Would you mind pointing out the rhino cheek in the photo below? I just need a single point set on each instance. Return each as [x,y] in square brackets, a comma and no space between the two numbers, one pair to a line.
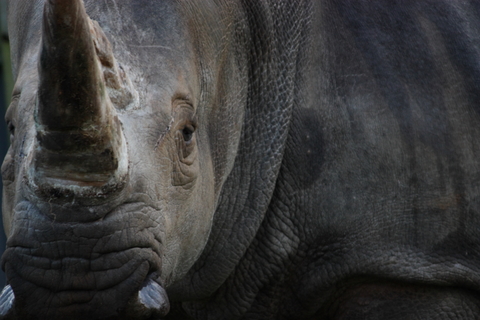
[186,209]
[184,244]
[187,213]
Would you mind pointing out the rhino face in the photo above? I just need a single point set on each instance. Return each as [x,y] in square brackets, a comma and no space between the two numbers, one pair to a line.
[124,125]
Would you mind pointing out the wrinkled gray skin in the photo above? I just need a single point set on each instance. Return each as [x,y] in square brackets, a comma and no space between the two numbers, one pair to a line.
[333,172]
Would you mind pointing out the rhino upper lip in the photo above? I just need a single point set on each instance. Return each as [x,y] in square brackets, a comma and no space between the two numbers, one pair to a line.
[61,256]
[73,274]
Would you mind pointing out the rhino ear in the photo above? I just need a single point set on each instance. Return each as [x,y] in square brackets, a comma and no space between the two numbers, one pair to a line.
[247,192]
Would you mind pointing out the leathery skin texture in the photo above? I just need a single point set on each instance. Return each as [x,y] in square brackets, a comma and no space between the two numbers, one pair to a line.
[243,159]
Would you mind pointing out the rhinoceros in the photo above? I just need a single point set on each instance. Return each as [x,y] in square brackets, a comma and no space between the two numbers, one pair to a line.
[243,159]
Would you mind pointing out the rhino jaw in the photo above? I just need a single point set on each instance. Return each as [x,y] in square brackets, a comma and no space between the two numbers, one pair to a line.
[150,302]
[7,298]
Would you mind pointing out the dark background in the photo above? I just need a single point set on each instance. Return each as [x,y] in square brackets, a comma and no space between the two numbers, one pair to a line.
[6,87]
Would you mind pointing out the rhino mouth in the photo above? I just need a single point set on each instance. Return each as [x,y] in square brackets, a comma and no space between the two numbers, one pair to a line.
[108,269]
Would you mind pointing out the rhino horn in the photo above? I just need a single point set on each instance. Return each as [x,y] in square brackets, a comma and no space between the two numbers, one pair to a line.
[7,298]
[78,132]
[150,302]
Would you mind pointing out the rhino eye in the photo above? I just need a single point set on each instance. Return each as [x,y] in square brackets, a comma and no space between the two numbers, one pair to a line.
[9,116]
[187,133]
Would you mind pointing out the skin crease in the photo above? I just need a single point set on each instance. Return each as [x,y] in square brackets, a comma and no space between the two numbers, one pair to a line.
[332,171]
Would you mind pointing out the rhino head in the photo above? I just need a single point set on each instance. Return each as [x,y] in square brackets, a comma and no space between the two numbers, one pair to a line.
[120,148]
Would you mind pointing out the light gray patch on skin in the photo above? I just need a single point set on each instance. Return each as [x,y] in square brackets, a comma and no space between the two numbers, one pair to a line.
[7,298]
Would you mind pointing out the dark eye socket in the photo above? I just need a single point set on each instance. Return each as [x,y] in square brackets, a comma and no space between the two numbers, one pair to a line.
[187,133]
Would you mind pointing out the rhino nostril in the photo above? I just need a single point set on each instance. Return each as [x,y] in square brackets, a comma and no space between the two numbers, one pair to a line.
[7,298]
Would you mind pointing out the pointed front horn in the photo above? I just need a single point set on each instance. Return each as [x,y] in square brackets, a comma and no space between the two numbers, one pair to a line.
[71,92]
[79,136]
